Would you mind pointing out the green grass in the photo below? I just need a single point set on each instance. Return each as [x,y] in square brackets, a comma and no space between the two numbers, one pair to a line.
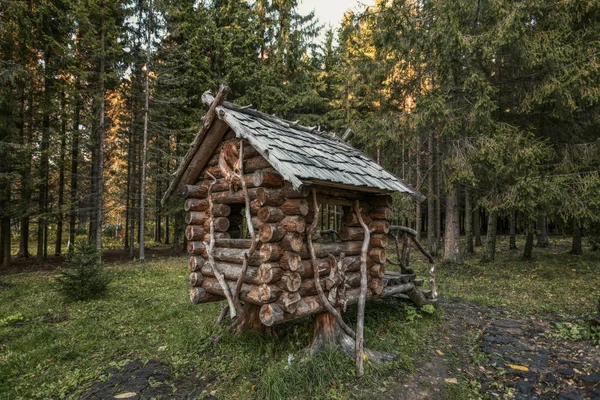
[53,348]
[49,348]
[553,281]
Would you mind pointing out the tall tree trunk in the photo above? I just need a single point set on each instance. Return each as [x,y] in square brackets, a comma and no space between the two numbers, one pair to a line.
[74,167]
[25,178]
[5,234]
[167,229]
[431,223]
[438,198]
[61,177]
[452,231]
[44,162]
[542,226]
[528,250]
[489,253]
[145,138]
[158,216]
[97,181]
[477,226]
[512,245]
[468,222]
[577,245]
[419,208]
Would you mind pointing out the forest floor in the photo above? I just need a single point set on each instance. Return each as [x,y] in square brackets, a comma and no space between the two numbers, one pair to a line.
[503,330]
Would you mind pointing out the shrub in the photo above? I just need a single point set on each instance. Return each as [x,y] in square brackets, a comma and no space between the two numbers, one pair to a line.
[84,277]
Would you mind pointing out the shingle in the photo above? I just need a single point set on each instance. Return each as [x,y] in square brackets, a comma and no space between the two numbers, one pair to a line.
[315,156]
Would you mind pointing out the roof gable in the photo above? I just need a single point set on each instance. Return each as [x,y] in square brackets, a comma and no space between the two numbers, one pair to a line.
[300,154]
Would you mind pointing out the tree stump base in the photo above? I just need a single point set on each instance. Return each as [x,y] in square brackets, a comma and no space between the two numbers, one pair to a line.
[249,320]
[329,335]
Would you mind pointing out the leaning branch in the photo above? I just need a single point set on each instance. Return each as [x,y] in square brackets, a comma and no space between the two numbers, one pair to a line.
[253,236]
[362,297]
[210,251]
[315,267]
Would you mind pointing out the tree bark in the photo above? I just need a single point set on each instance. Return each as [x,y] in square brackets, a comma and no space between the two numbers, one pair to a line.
[542,226]
[431,222]
[74,167]
[142,256]
[452,231]
[577,245]
[477,226]
[512,244]
[528,249]
[61,178]
[489,253]
[469,248]
[25,180]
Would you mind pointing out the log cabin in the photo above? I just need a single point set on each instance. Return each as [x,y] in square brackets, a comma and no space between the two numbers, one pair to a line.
[253,187]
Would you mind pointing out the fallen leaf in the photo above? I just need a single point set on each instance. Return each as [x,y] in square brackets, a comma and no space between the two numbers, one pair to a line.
[451,380]
[126,395]
[253,387]
[441,353]
[518,367]
[213,393]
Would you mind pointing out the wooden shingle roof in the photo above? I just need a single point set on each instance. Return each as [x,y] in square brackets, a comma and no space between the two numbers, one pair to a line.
[304,155]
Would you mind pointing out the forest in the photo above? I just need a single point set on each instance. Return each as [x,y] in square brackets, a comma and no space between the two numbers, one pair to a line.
[490,108]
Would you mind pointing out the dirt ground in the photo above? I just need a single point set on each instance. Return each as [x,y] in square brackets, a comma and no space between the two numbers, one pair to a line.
[491,353]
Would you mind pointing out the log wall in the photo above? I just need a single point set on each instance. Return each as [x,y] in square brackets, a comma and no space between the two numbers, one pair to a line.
[280,273]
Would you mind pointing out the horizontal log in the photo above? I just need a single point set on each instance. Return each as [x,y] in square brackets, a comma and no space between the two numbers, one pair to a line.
[270,214]
[199,248]
[236,197]
[377,271]
[273,314]
[377,255]
[198,217]
[199,295]
[269,272]
[291,242]
[352,248]
[195,233]
[254,207]
[295,207]
[221,224]
[288,301]
[196,279]
[196,248]
[195,263]
[306,267]
[293,223]
[271,233]
[352,233]
[194,191]
[232,272]
[379,226]
[195,205]
[379,240]
[271,197]
[255,164]
[218,235]
[380,213]
[350,219]
[255,294]
[267,179]
[290,261]
[290,281]
[270,252]
[376,286]
[290,193]
[234,256]
[250,165]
